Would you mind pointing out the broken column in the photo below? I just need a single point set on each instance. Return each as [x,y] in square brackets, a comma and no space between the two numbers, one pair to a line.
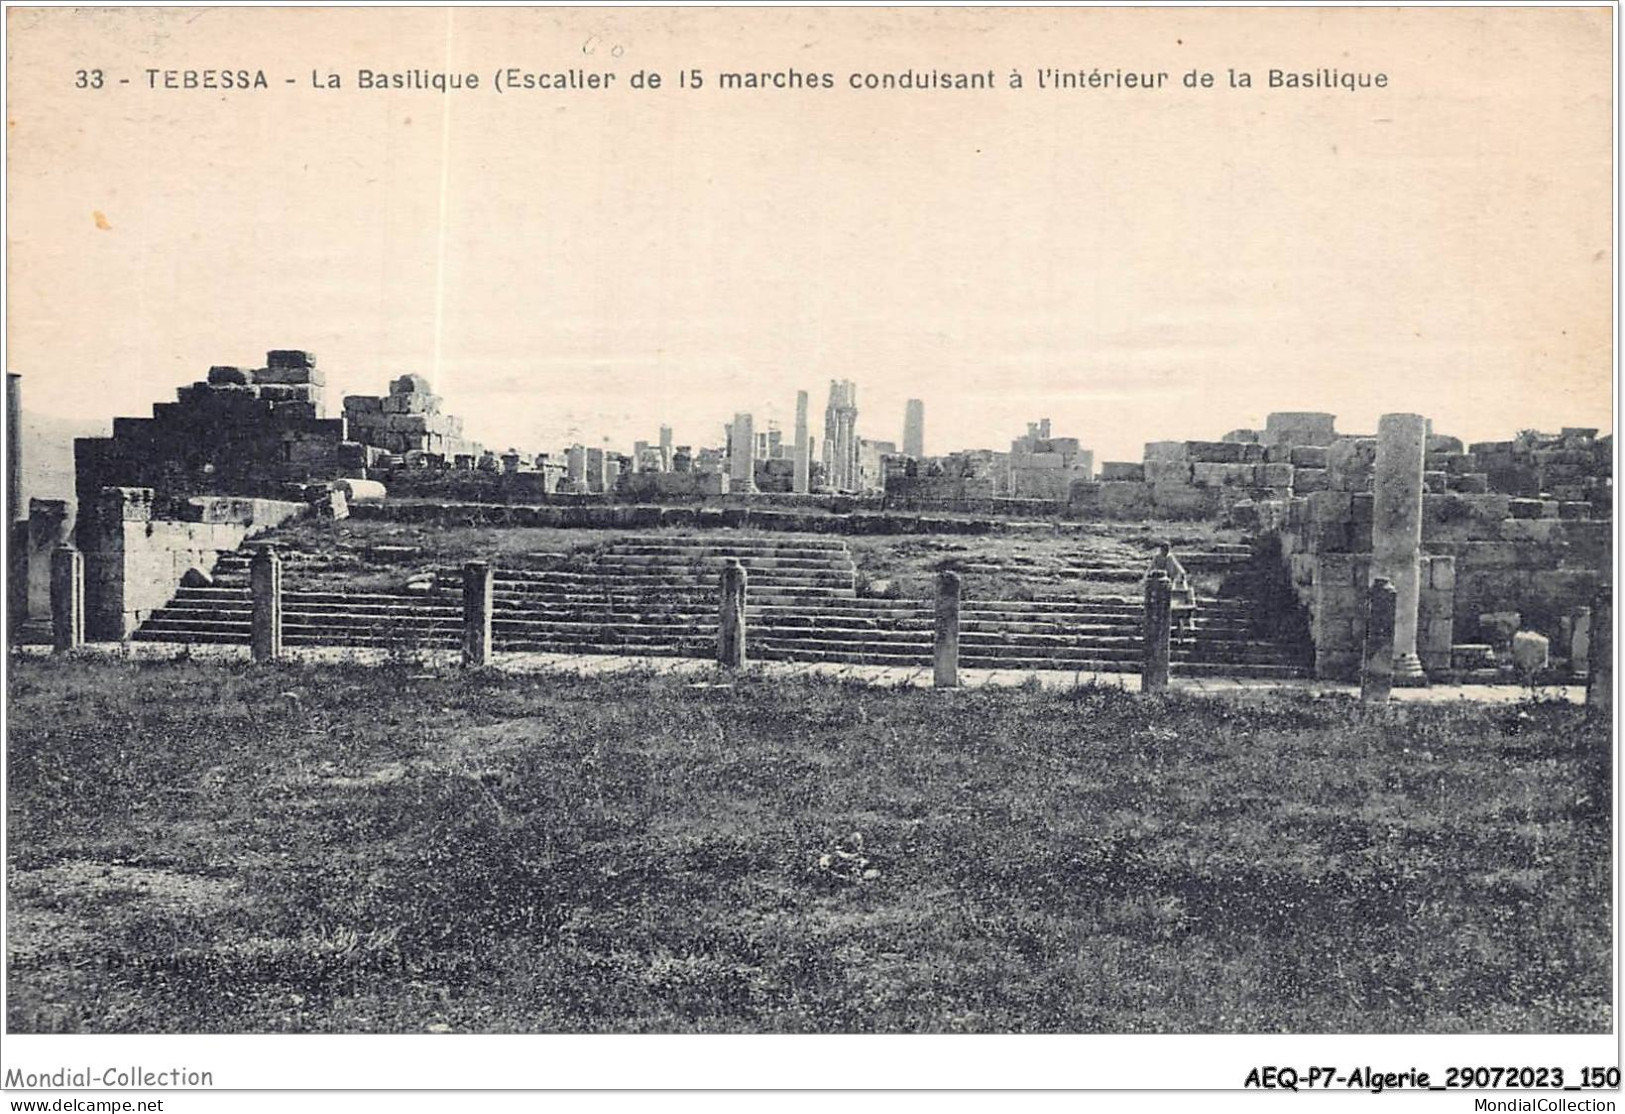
[478,607]
[1377,672]
[1580,643]
[1396,535]
[1158,613]
[50,525]
[265,589]
[945,674]
[731,628]
[67,599]
[1600,680]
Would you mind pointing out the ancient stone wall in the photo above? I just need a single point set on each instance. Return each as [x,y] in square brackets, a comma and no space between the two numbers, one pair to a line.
[1483,554]
[407,420]
[134,561]
[599,515]
[239,432]
[50,524]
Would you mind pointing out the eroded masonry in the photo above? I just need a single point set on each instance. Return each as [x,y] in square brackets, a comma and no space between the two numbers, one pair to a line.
[1497,551]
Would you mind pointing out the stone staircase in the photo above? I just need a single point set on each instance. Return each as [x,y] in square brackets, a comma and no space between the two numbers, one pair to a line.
[658,595]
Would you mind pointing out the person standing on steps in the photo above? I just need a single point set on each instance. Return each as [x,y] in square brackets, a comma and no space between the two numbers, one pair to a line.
[1182,596]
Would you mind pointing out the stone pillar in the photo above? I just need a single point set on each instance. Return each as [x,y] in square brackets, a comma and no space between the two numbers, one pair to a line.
[16,526]
[1377,672]
[731,629]
[1158,616]
[1579,647]
[14,447]
[914,428]
[742,454]
[49,526]
[265,588]
[803,474]
[67,599]
[1396,531]
[946,658]
[478,607]
[1600,681]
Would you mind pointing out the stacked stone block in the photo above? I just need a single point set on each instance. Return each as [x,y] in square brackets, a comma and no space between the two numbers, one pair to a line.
[134,558]
[1538,558]
[1041,466]
[407,420]
[1336,599]
[238,431]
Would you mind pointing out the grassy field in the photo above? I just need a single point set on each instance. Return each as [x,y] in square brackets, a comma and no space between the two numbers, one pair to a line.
[298,848]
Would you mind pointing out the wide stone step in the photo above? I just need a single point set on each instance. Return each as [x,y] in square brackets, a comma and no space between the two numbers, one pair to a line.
[775,650]
[362,639]
[649,543]
[697,587]
[695,648]
[621,629]
[1032,665]
[847,636]
[855,624]
[223,637]
[709,579]
[712,560]
[1062,656]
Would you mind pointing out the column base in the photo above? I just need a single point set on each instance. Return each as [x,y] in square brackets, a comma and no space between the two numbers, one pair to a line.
[1408,672]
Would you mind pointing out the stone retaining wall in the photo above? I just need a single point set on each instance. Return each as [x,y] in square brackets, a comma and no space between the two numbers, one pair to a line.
[134,561]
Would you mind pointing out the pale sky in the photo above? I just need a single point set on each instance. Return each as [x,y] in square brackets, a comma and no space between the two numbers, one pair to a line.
[587,265]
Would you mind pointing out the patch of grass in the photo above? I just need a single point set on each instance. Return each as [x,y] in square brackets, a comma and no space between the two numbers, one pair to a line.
[192,849]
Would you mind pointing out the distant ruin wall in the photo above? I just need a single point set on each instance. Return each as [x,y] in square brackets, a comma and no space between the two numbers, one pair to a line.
[602,516]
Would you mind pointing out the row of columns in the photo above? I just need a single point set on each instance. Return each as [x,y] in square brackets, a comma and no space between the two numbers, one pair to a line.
[1382,660]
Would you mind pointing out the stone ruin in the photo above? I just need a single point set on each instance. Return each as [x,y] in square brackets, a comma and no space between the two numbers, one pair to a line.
[1039,466]
[240,431]
[1511,536]
[406,421]
[1511,543]
[238,451]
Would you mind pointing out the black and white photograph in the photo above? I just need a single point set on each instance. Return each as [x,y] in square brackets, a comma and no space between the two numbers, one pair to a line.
[533,527]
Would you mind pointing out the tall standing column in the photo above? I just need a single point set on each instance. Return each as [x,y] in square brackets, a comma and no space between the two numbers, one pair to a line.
[265,589]
[16,512]
[731,627]
[67,599]
[1600,678]
[477,612]
[1157,634]
[742,454]
[14,448]
[1396,531]
[945,672]
[803,472]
